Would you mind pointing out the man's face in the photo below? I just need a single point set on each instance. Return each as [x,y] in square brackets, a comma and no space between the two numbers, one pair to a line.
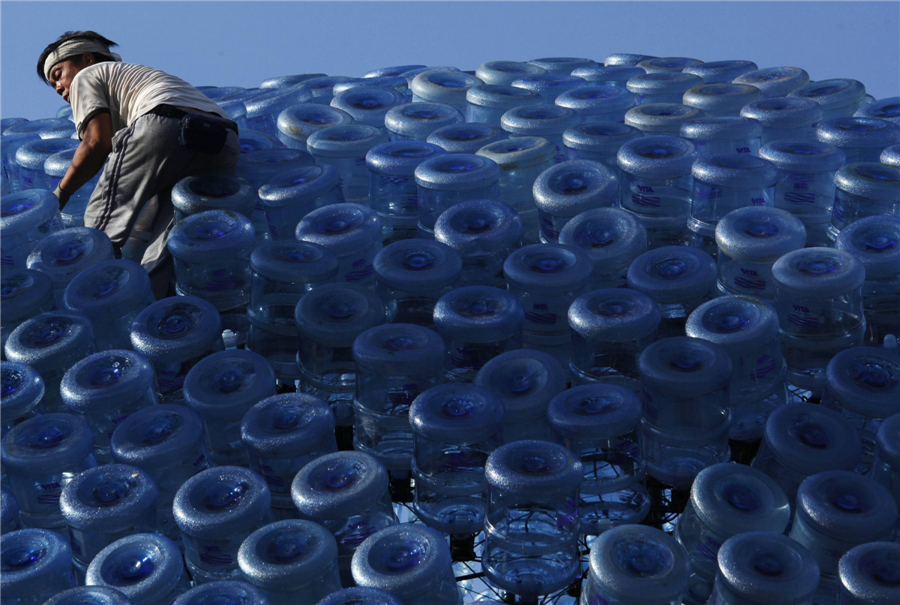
[64,72]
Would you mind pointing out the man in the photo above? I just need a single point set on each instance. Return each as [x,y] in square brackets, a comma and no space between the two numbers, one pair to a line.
[153,128]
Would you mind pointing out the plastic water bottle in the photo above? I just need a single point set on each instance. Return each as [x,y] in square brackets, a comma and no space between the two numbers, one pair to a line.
[222,93]
[868,574]
[345,147]
[724,183]
[36,565]
[368,104]
[410,561]
[668,64]
[775,81]
[547,121]
[818,296]
[64,254]
[684,390]
[721,100]
[26,218]
[104,504]
[11,144]
[627,59]
[31,157]
[504,73]
[783,118]
[41,456]
[661,87]
[202,192]
[570,188]
[23,294]
[805,186]
[50,343]
[287,81]
[862,190]
[263,109]
[396,83]
[599,142]
[90,595]
[254,140]
[395,70]
[661,118]
[548,86]
[477,323]
[360,595]
[598,103]
[655,185]
[449,179]
[394,363]
[723,135]
[599,423]
[525,382]
[763,568]
[608,75]
[352,232]
[884,109]
[6,123]
[861,139]
[484,232]
[347,493]
[291,562]
[329,319]
[412,274]
[563,65]
[838,97]
[521,161]
[886,466]
[21,391]
[446,87]
[636,564]
[290,196]
[55,168]
[297,122]
[891,156]
[466,137]
[147,568]
[612,238]
[416,121]
[323,88]
[718,72]
[486,103]
[222,591]
[393,193]
[801,440]
[9,511]
[749,241]
[259,167]
[532,524]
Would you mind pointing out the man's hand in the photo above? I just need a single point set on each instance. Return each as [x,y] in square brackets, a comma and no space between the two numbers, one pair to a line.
[96,145]
[62,196]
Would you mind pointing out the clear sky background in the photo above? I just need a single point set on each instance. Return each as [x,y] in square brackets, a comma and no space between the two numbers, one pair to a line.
[242,43]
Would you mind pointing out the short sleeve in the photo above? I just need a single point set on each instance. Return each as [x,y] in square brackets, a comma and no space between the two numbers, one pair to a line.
[88,95]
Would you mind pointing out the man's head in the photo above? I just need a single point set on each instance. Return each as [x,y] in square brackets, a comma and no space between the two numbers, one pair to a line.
[72,52]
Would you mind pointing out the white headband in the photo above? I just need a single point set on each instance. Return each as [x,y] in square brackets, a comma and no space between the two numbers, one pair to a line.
[71,48]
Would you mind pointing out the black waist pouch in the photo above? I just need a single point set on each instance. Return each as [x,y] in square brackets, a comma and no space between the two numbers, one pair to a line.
[206,134]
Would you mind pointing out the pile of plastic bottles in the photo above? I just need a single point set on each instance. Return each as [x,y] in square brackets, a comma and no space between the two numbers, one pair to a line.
[620,332]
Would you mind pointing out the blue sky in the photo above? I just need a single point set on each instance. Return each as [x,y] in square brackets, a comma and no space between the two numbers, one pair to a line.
[242,43]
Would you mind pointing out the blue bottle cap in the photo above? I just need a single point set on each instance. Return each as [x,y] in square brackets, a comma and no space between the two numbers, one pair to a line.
[301,121]
[715,72]
[673,274]
[539,120]
[394,82]
[458,414]
[608,73]
[402,559]
[885,109]
[628,59]
[501,96]
[891,156]
[143,567]
[551,268]
[201,192]
[602,137]
[832,94]
[660,157]
[846,506]
[734,498]
[783,112]
[31,156]
[26,210]
[611,237]
[287,554]
[875,241]
[660,83]
[89,595]
[668,64]
[33,126]
[858,133]
[108,290]
[718,129]
[367,104]
[439,86]
[299,186]
[466,137]
[400,158]
[176,329]
[775,81]
[32,560]
[735,170]
[24,291]
[525,381]
[768,568]
[58,163]
[530,467]
[325,87]
[157,437]
[286,426]
[47,444]
[759,233]
[887,441]
[345,141]
[802,156]
[287,81]
[21,390]
[50,341]
[106,381]
[869,573]
[505,72]
[271,101]
[614,315]
[562,65]
[417,265]
[294,262]
[594,99]
[254,140]
[412,73]
[343,228]
[6,123]
[224,385]
[415,120]
[811,439]
[108,499]
[457,172]
[211,236]
[518,153]
[662,118]
[399,349]
[479,314]
[871,181]
[865,381]
[337,313]
[339,485]
[221,502]
[736,323]
[548,84]
[725,97]
[222,592]
[595,412]
[818,272]
[395,70]
[360,595]
[684,366]
[570,188]
[479,227]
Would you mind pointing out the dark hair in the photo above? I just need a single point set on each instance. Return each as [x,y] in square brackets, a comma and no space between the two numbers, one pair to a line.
[88,35]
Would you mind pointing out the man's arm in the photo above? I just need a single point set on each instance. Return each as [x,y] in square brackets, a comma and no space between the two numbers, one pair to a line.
[96,145]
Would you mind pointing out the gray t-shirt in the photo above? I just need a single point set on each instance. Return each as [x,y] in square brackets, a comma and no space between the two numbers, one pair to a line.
[129,91]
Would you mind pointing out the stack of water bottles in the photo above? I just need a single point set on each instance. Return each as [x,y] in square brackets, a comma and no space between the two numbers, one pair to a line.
[619,332]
